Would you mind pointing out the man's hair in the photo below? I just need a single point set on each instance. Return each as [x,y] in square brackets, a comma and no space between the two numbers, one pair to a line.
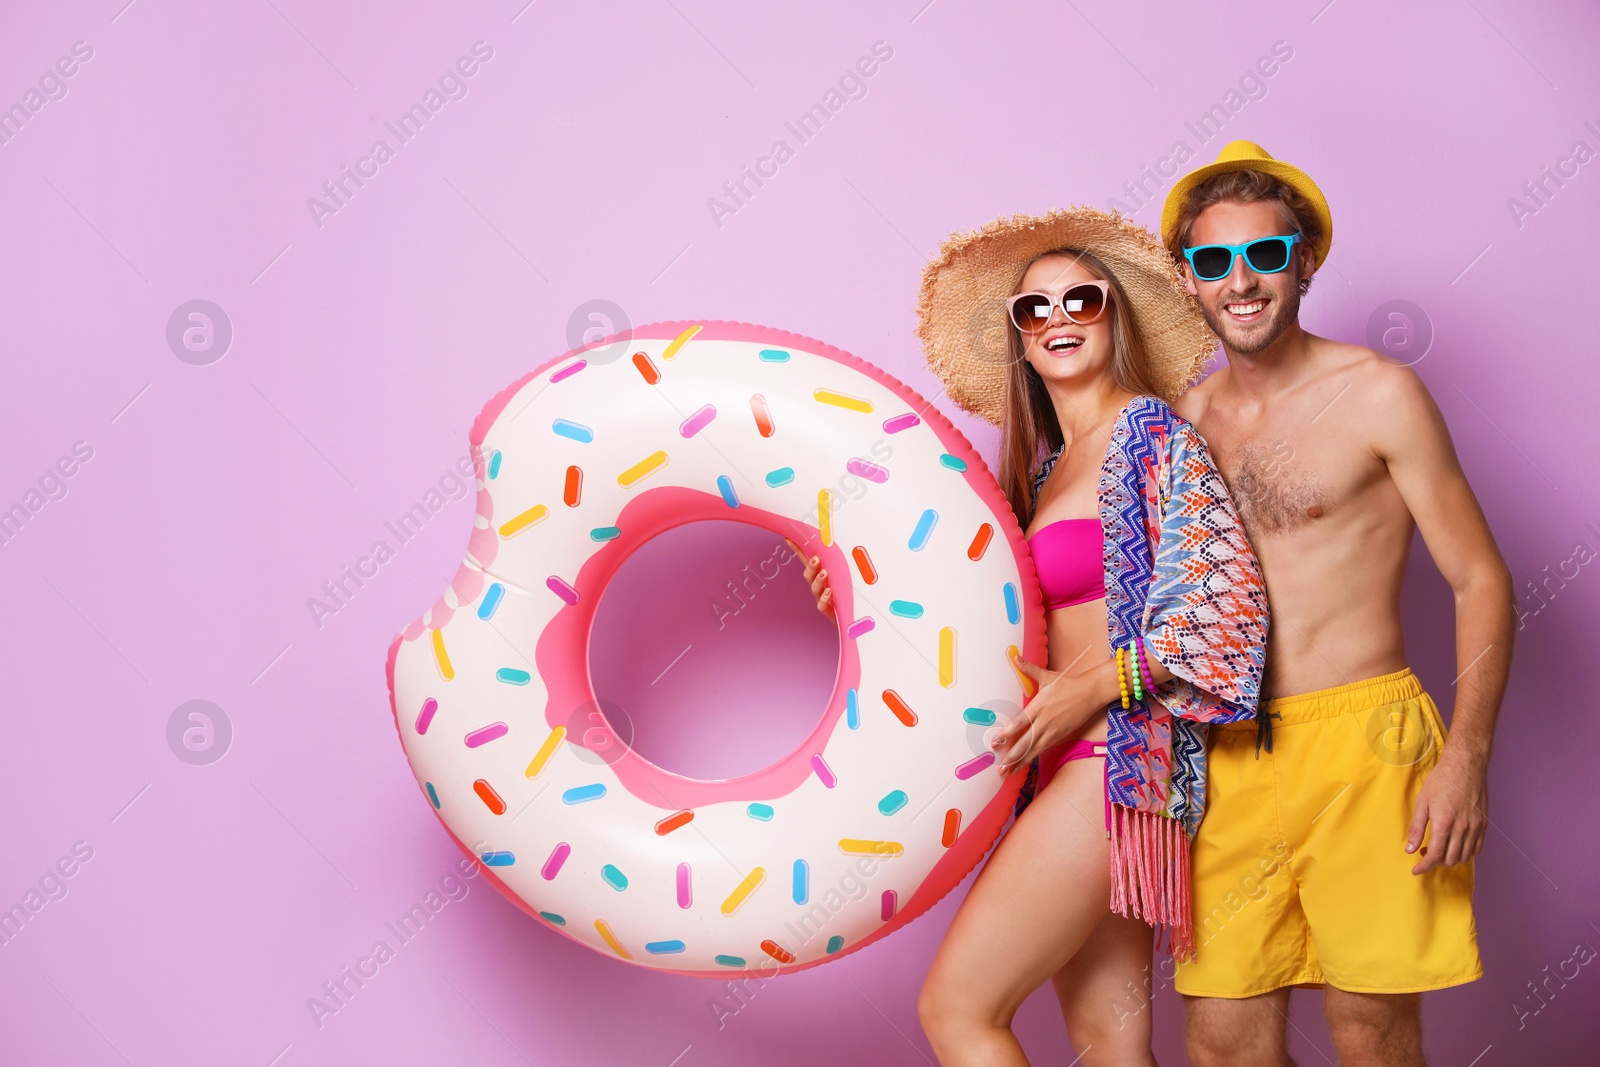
[1246,187]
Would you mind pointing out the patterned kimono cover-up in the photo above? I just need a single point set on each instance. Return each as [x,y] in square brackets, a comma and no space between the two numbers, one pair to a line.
[1180,573]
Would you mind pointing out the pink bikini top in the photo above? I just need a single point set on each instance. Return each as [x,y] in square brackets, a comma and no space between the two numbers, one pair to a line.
[1068,555]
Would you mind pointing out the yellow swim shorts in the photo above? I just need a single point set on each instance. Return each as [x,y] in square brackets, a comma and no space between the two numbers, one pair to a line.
[1300,871]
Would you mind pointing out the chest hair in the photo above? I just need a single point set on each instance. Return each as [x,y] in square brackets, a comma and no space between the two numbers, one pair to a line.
[1273,494]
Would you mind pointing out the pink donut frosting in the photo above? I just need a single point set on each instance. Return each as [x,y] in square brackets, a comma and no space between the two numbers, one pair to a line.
[561,653]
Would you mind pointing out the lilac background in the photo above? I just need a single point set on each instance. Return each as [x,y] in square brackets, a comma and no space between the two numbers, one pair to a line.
[219,498]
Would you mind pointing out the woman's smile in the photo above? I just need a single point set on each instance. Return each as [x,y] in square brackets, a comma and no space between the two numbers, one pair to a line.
[1062,342]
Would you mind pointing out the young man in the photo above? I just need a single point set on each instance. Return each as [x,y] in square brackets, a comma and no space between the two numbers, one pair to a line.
[1338,842]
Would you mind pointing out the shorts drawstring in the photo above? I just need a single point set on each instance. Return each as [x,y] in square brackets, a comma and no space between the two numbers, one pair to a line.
[1264,729]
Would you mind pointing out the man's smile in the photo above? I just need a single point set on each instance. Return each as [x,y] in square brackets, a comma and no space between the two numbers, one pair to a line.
[1246,310]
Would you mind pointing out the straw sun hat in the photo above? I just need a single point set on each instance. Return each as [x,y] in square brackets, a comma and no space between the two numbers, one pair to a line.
[962,313]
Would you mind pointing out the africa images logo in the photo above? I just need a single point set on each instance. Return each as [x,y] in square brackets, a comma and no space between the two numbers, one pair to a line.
[452,85]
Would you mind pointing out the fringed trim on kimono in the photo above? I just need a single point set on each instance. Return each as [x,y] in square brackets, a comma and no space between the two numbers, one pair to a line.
[1150,876]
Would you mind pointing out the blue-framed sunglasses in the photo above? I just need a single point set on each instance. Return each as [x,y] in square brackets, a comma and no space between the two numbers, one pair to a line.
[1265,255]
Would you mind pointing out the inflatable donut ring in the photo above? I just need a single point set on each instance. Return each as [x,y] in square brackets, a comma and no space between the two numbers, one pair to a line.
[889,802]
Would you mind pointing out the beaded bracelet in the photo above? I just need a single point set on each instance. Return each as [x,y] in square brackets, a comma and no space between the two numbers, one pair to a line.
[1122,678]
[1144,667]
[1133,670]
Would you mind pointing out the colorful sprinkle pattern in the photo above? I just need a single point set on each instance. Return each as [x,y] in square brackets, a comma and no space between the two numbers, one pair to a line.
[824,400]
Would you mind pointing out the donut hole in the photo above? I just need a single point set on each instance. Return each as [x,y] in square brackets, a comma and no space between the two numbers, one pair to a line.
[708,647]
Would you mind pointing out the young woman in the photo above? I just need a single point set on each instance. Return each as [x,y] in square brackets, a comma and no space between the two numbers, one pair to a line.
[1155,610]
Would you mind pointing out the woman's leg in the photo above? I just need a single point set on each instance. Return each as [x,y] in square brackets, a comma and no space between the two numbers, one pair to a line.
[1043,892]
[1105,993]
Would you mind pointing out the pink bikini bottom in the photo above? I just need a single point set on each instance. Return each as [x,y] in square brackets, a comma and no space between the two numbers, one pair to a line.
[1081,749]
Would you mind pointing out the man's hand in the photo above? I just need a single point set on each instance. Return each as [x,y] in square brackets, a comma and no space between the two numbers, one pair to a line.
[1453,808]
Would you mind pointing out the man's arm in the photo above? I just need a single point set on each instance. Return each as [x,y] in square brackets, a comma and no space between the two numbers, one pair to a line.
[1413,441]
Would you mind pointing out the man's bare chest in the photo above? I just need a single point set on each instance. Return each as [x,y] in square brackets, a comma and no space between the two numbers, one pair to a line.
[1286,475]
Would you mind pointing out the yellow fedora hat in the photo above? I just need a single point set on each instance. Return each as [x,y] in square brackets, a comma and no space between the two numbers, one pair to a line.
[1247,155]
